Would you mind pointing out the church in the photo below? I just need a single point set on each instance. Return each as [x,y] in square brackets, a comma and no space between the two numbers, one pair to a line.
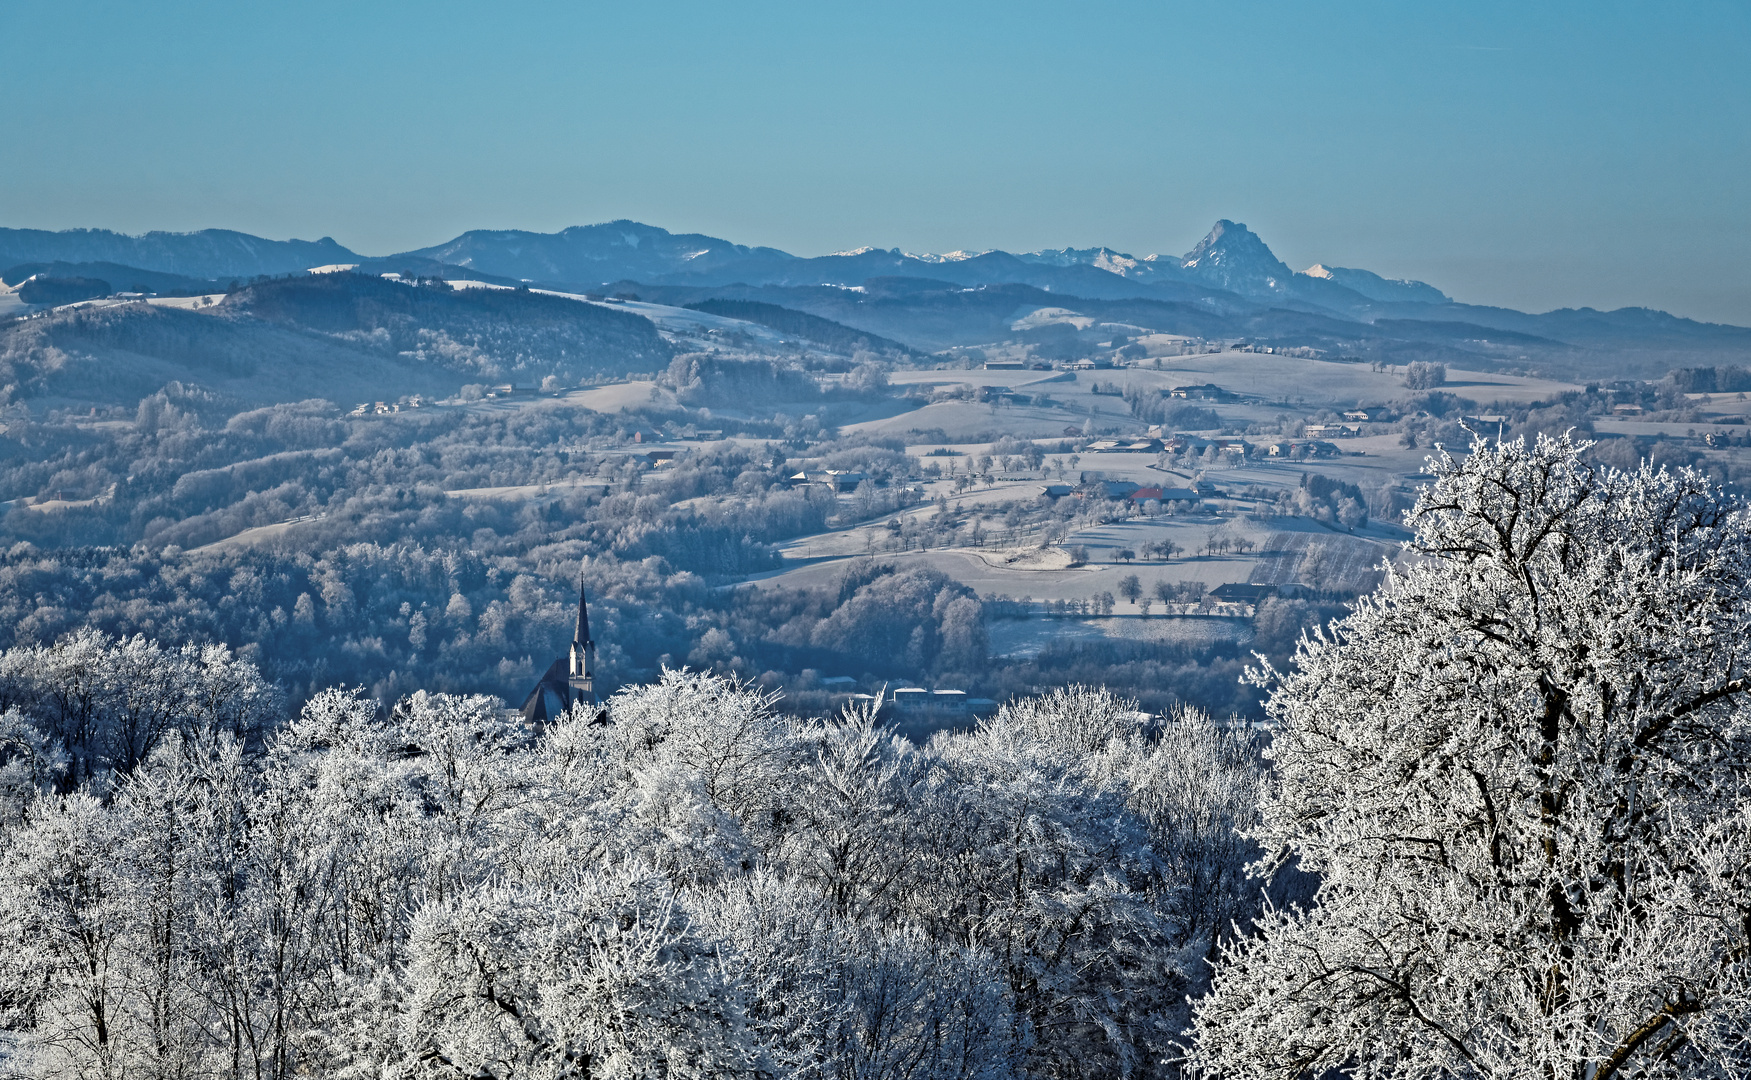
[570,679]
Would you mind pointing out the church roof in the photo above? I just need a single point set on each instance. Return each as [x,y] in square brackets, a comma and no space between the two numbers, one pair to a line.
[551,696]
[582,634]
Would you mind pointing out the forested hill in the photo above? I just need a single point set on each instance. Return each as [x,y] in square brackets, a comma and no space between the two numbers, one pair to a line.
[117,355]
[345,303]
[506,333]
[336,336]
[833,335]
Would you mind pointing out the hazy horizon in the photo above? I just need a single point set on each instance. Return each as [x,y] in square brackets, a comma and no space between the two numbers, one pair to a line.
[1565,157]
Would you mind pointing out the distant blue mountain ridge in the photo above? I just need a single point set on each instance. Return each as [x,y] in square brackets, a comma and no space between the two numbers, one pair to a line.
[1230,272]
[1231,260]
[208,254]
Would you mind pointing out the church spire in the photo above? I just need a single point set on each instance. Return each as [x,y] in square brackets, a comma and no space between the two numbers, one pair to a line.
[581,675]
[581,635]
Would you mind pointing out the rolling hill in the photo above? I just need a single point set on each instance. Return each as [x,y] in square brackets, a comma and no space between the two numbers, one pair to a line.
[343,337]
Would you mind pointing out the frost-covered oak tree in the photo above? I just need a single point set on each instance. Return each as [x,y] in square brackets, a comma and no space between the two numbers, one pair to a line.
[1523,772]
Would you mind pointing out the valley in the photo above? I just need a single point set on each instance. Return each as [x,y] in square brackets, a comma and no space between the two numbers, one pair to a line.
[1010,484]
[875,542]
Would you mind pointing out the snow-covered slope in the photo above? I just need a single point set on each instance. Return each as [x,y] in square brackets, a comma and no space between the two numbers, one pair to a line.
[1375,287]
[1232,257]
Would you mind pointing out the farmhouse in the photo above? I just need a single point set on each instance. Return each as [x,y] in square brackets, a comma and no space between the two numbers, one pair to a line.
[1239,593]
[1109,489]
[1303,448]
[832,478]
[1125,446]
[1164,495]
[1204,392]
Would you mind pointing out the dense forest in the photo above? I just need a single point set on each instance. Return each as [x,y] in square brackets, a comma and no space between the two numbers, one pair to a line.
[494,332]
[693,885]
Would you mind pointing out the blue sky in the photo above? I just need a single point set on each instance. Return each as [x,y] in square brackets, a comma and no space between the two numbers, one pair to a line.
[1535,156]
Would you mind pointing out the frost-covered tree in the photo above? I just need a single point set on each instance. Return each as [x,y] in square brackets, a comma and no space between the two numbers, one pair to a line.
[107,704]
[64,897]
[1522,770]
[595,974]
[1027,846]
[686,883]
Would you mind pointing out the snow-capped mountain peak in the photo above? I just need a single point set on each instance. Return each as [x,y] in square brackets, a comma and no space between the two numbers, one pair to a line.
[946,257]
[1375,287]
[1232,257]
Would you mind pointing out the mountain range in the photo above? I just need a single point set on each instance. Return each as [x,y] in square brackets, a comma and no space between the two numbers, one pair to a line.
[209,253]
[1230,260]
[1230,284]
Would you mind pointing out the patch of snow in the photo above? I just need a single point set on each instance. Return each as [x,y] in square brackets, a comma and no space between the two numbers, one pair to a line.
[947,257]
[691,255]
[1048,316]
[1114,263]
[865,250]
[10,304]
[1376,287]
[333,268]
[631,239]
[208,303]
[676,320]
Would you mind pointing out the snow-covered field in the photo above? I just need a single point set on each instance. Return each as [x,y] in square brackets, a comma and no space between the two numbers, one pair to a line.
[10,304]
[207,303]
[617,397]
[1275,378]
[525,492]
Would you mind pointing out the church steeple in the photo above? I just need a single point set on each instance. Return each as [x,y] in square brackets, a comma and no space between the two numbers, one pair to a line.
[571,680]
[582,666]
